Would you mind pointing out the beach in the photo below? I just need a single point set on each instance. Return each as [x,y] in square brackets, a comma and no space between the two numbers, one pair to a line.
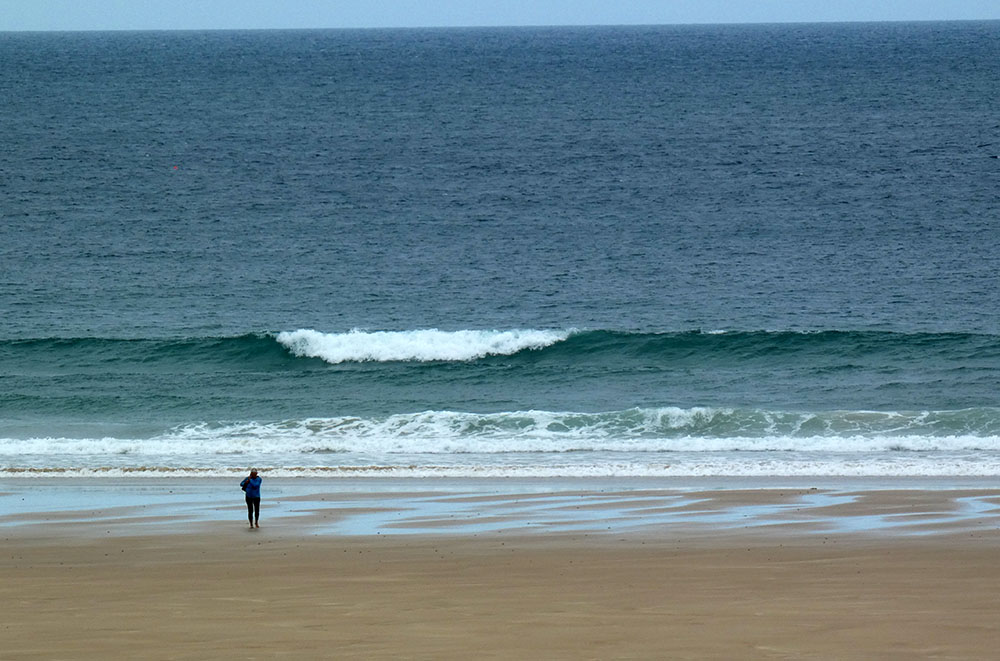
[472,569]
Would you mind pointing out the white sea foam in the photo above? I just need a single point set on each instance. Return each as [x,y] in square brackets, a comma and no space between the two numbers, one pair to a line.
[653,430]
[639,442]
[409,438]
[415,345]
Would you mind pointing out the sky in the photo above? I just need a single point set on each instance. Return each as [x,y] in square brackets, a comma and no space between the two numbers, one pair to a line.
[267,14]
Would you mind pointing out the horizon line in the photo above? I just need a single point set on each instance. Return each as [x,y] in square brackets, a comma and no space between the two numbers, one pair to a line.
[498,26]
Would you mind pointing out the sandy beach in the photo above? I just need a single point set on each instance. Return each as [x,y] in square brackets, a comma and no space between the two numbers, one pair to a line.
[427,570]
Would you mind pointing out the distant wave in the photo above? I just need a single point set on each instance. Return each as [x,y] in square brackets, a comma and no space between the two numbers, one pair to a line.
[810,349]
[270,350]
[415,345]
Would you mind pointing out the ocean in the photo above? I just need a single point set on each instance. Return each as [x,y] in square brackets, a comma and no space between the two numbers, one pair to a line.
[760,250]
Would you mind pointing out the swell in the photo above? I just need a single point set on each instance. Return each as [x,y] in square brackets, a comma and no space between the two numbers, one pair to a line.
[747,346]
[286,350]
[92,354]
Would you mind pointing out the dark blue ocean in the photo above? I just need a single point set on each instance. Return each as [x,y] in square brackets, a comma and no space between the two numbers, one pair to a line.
[667,251]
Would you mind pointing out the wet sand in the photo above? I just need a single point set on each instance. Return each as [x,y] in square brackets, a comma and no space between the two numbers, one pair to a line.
[457,571]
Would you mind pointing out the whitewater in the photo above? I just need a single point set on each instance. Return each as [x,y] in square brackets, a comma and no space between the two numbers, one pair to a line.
[421,345]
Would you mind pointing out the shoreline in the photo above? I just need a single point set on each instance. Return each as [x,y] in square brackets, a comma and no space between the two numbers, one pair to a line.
[469,506]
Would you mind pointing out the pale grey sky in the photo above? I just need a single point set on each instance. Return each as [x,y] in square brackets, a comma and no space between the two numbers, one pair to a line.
[242,14]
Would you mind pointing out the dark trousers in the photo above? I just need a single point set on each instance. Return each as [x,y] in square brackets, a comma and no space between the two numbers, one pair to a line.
[253,508]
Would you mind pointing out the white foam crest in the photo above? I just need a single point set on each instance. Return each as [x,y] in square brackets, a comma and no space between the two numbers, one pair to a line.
[415,345]
[666,429]
[435,434]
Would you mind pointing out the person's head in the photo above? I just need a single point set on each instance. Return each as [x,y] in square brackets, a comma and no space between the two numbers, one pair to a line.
[253,472]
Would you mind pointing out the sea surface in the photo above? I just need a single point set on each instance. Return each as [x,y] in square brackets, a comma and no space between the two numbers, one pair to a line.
[762,250]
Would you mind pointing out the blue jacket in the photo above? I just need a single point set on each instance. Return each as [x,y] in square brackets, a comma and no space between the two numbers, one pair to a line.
[252,486]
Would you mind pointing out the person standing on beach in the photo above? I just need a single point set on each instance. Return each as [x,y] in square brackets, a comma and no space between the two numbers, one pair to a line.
[251,485]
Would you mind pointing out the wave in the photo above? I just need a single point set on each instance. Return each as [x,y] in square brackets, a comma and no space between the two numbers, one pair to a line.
[523,432]
[417,345]
[676,347]
[284,349]
[640,442]
[271,350]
